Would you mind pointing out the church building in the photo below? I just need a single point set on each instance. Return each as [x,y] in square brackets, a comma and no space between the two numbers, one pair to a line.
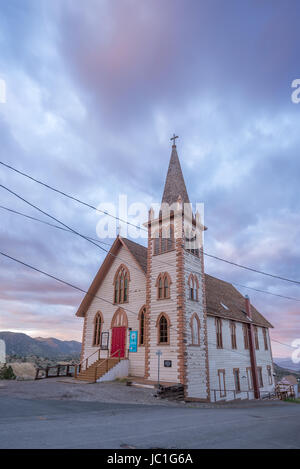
[152,313]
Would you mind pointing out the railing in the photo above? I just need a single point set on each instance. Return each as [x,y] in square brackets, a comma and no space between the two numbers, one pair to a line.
[220,395]
[117,352]
[86,361]
[60,370]
[285,391]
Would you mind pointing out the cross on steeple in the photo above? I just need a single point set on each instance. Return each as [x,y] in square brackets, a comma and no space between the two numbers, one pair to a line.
[174,139]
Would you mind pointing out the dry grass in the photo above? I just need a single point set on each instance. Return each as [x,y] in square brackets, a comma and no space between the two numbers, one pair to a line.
[23,370]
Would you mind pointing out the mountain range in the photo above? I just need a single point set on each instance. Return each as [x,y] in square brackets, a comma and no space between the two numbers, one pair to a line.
[287,363]
[23,345]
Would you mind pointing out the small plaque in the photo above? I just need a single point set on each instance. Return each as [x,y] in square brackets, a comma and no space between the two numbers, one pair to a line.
[133,338]
[168,363]
[104,340]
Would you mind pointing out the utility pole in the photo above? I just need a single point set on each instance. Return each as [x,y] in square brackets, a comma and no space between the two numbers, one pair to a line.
[159,354]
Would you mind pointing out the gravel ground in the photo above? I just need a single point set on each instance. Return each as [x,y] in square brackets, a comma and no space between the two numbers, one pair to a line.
[70,389]
[110,392]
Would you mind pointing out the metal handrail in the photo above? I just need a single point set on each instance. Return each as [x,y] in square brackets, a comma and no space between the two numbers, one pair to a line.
[106,360]
[86,360]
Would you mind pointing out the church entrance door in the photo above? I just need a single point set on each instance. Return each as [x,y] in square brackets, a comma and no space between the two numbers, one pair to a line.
[118,341]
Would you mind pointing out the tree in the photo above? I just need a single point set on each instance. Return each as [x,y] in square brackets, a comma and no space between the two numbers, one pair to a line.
[6,372]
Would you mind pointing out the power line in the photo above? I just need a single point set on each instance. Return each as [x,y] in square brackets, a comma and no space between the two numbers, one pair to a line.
[64,282]
[59,221]
[252,269]
[70,196]
[48,186]
[66,228]
[16,212]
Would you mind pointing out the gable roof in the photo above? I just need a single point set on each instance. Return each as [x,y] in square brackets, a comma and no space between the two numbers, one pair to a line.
[174,185]
[139,255]
[218,292]
[290,379]
[138,251]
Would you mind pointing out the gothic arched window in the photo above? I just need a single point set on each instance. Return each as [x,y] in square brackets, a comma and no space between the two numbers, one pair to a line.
[163,240]
[121,282]
[163,283]
[193,287]
[97,329]
[195,329]
[163,326]
[142,318]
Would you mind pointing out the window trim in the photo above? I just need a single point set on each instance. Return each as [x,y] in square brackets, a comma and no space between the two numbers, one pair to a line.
[256,339]
[237,382]
[142,322]
[269,372]
[232,326]
[260,377]
[249,374]
[219,335]
[265,333]
[158,329]
[195,316]
[193,284]
[246,336]
[121,285]
[161,288]
[161,244]
[97,331]
[222,372]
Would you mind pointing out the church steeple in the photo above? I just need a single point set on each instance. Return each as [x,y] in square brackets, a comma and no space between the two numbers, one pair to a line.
[174,185]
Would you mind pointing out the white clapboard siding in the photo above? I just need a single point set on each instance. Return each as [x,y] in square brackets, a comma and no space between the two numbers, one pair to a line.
[137,295]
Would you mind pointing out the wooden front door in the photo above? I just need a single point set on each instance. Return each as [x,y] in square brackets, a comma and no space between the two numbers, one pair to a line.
[118,341]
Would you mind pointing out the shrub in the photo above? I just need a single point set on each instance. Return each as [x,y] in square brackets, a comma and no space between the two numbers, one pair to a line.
[6,372]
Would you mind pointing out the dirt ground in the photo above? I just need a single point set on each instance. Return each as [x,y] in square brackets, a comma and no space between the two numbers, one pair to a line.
[110,392]
[71,389]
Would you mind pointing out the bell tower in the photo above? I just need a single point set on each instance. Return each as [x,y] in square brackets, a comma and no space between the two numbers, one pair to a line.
[175,290]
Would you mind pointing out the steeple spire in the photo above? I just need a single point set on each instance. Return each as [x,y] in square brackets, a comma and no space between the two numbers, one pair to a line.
[174,185]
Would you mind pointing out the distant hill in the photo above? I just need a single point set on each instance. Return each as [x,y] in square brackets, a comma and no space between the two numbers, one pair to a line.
[288,364]
[281,372]
[23,345]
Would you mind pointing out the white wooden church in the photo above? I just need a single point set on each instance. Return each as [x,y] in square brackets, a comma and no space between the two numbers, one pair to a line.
[155,307]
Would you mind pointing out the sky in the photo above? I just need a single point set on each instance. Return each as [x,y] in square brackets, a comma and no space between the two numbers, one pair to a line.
[95,90]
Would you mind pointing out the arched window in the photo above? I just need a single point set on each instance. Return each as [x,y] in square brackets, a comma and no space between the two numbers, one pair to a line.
[97,329]
[163,326]
[160,287]
[121,282]
[166,287]
[163,240]
[170,244]
[156,242]
[142,318]
[193,287]
[195,328]
[163,283]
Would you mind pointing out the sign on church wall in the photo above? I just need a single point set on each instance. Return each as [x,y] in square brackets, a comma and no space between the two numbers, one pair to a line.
[133,336]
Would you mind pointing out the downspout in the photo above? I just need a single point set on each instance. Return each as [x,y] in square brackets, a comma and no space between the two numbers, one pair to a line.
[252,350]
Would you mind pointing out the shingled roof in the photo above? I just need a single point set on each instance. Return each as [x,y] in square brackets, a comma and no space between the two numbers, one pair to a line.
[175,185]
[221,295]
[138,251]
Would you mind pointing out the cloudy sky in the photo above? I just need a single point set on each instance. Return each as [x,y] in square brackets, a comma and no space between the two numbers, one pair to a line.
[95,89]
